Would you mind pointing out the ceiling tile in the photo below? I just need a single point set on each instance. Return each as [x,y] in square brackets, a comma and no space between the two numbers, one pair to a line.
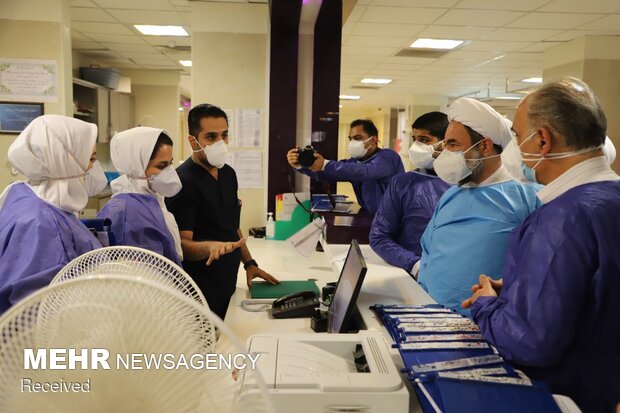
[386,41]
[348,28]
[149,17]
[524,56]
[540,46]
[90,15]
[403,15]
[356,13]
[581,6]
[534,35]
[135,4]
[107,28]
[574,34]
[114,38]
[554,20]
[82,3]
[454,32]
[486,18]
[75,36]
[383,29]
[145,56]
[124,47]
[408,60]
[368,51]
[86,45]
[482,45]
[397,67]
[611,22]
[167,40]
[521,5]
[464,54]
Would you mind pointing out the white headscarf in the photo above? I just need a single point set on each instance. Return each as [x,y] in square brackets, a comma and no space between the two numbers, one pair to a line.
[482,118]
[54,152]
[131,152]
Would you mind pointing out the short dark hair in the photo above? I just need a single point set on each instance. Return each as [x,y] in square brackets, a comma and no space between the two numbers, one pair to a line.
[476,137]
[162,140]
[203,110]
[369,128]
[569,108]
[435,123]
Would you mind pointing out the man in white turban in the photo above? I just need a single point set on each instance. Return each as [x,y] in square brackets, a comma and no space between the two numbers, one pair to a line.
[468,232]
[40,231]
[139,216]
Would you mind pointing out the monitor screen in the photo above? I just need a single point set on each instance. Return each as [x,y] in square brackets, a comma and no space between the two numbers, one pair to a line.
[352,275]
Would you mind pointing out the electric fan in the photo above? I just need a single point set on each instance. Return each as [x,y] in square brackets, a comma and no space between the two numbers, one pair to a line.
[141,263]
[133,261]
[130,318]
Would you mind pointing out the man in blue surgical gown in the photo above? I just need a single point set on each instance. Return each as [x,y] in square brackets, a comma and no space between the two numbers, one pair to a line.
[555,314]
[40,232]
[369,169]
[410,198]
[468,232]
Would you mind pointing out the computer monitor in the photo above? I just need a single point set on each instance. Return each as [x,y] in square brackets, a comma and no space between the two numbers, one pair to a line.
[342,307]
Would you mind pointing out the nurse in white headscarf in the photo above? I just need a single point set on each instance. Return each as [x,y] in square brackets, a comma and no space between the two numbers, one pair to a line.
[468,232]
[40,231]
[137,210]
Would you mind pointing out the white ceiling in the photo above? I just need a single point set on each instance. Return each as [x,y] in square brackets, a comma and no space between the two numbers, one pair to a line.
[505,40]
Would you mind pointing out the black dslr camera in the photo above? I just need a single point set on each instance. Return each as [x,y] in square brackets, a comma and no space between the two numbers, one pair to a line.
[306,156]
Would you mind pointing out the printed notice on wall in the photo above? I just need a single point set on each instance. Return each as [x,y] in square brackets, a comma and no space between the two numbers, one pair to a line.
[230,114]
[25,80]
[249,169]
[248,127]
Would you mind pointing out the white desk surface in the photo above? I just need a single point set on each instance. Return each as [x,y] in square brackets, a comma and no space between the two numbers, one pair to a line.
[384,284]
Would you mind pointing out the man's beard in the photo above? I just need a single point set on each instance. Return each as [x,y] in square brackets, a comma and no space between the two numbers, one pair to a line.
[476,172]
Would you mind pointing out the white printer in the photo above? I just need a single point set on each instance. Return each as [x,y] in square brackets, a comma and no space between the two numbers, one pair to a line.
[328,373]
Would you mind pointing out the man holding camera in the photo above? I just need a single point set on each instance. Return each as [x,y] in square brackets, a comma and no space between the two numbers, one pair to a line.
[369,169]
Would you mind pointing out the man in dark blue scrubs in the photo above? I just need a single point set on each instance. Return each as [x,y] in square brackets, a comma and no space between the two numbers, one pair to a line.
[208,209]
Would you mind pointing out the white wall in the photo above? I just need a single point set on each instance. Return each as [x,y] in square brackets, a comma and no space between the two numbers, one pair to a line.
[42,39]
[229,69]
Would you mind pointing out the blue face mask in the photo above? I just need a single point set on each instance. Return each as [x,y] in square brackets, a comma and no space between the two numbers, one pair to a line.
[529,173]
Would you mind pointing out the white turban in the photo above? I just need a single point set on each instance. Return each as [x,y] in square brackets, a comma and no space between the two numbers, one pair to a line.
[54,152]
[482,118]
[131,152]
[609,150]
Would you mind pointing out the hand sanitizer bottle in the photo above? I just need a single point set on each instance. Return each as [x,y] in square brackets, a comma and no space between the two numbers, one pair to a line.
[270,227]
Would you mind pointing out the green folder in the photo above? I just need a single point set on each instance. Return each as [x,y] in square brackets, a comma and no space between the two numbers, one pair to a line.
[261,289]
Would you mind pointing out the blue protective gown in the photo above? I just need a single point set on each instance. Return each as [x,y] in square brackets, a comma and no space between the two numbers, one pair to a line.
[558,314]
[138,221]
[467,236]
[36,241]
[369,177]
[406,208]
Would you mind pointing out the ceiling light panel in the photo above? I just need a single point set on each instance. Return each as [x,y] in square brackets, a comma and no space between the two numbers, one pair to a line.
[152,30]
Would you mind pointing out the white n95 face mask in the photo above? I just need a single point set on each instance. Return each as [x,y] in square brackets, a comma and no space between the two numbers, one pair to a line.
[95,180]
[166,183]
[452,167]
[357,149]
[421,154]
[216,153]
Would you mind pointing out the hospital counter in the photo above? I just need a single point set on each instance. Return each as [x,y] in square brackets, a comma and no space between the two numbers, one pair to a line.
[383,284]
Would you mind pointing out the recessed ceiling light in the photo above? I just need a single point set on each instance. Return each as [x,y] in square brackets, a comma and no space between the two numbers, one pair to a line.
[508,97]
[376,81]
[339,106]
[150,30]
[180,108]
[442,44]
[533,80]
[186,63]
[349,97]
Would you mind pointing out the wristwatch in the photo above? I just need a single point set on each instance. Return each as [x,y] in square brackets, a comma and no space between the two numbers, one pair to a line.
[249,263]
